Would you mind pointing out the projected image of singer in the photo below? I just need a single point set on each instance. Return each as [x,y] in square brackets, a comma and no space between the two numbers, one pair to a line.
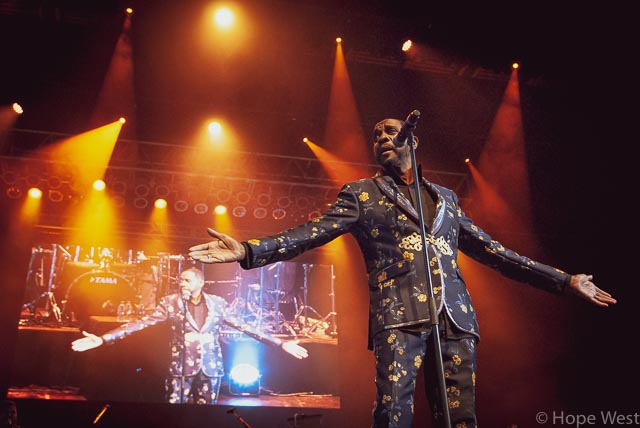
[196,366]
[380,212]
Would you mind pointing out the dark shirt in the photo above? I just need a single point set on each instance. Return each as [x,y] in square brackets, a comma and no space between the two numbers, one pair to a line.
[198,311]
[446,328]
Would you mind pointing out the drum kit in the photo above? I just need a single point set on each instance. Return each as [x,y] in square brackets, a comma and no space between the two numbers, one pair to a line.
[274,298]
[68,285]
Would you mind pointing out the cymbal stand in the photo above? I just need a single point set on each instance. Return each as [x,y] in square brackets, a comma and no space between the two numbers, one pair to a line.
[332,326]
[51,306]
[303,310]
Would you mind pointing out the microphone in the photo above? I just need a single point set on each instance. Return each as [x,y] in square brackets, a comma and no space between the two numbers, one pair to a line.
[407,129]
[186,294]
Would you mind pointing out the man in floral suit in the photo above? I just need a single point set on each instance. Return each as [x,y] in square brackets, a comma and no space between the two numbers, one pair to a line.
[381,214]
[196,367]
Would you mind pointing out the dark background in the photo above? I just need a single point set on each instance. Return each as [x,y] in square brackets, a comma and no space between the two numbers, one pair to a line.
[577,103]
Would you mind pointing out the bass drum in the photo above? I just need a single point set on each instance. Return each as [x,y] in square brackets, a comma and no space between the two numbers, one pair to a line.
[97,292]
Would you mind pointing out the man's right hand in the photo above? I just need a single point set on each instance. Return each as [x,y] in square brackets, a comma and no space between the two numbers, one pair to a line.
[90,341]
[223,249]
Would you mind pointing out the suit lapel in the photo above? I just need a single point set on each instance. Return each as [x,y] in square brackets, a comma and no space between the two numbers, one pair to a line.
[389,188]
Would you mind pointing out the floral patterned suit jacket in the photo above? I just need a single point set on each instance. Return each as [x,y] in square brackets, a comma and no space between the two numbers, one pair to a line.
[202,344]
[385,225]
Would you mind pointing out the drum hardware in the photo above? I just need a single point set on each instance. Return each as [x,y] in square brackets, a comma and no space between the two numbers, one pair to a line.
[40,283]
[305,324]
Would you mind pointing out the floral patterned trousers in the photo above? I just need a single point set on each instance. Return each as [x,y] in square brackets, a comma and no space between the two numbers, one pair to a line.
[399,355]
[198,389]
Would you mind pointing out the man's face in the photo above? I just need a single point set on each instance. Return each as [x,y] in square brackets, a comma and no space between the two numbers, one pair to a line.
[385,152]
[189,280]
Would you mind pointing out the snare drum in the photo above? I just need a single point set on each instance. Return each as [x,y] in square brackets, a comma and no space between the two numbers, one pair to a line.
[97,292]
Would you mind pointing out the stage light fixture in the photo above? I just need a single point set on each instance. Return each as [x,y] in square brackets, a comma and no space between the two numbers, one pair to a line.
[313,214]
[220,210]
[263,199]
[54,182]
[140,203]
[180,206]
[160,203]
[284,202]
[259,212]
[239,211]
[302,202]
[162,190]
[17,108]
[278,214]
[118,187]
[244,379]
[223,195]
[35,193]
[14,192]
[200,208]
[243,198]
[142,190]
[55,195]
[99,185]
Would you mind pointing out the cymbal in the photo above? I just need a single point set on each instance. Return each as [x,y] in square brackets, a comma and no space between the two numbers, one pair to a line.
[89,264]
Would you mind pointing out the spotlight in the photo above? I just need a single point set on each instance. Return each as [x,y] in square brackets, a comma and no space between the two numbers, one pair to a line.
[220,210]
[181,206]
[160,203]
[278,214]
[200,208]
[407,45]
[35,193]
[260,213]
[17,108]
[244,379]
[239,211]
[99,185]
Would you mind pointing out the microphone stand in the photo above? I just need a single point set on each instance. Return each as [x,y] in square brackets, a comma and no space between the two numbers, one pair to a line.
[185,303]
[238,417]
[435,330]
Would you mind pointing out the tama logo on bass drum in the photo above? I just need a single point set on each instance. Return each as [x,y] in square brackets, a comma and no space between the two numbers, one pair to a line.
[103,280]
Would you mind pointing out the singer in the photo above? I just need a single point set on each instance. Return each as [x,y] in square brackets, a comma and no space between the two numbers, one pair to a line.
[381,214]
[196,367]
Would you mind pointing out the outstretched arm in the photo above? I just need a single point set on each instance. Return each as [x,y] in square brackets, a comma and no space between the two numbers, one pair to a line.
[223,249]
[90,341]
[291,347]
[581,286]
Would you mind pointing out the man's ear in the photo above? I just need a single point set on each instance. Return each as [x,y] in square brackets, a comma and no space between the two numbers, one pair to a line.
[415,142]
